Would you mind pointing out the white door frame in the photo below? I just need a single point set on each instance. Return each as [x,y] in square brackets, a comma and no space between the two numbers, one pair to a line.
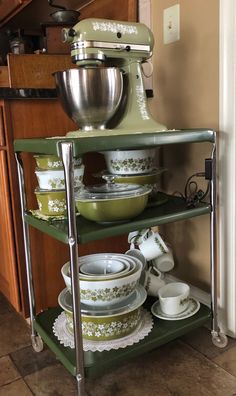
[227,167]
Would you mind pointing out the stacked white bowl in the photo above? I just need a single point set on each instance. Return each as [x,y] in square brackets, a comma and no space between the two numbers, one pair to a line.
[111,296]
[130,162]
[50,193]
[134,166]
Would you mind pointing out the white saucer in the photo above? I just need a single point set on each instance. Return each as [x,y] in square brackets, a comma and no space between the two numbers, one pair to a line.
[193,307]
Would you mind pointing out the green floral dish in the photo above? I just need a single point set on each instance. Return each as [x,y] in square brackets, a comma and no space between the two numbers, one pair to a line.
[150,178]
[51,203]
[54,179]
[130,162]
[106,326]
[52,161]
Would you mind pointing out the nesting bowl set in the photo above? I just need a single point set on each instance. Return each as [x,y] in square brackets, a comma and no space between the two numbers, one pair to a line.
[110,293]
[50,193]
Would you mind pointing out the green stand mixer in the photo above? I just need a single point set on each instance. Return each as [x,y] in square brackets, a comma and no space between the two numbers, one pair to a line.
[105,95]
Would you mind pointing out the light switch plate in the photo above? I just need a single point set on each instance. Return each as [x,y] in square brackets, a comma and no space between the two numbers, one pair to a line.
[171,22]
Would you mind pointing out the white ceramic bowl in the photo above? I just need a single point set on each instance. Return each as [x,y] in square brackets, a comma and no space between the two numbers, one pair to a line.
[102,267]
[129,262]
[129,268]
[130,162]
[105,291]
[53,179]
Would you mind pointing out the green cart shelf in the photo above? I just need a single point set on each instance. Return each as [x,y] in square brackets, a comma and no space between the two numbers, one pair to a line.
[97,363]
[173,209]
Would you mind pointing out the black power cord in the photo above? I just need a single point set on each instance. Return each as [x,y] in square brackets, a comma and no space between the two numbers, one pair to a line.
[192,195]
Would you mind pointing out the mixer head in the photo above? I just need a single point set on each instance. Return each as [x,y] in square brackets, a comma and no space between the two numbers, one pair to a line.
[99,40]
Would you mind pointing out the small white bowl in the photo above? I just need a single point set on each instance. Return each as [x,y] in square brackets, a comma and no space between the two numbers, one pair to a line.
[53,179]
[102,267]
[105,291]
[130,162]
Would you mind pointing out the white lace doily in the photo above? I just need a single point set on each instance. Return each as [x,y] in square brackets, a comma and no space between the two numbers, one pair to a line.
[67,339]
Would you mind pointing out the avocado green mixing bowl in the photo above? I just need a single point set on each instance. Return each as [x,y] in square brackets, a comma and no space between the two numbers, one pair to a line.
[112,202]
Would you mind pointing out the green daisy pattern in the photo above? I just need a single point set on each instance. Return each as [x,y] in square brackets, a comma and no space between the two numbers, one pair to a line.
[114,329]
[57,205]
[58,183]
[135,165]
[107,294]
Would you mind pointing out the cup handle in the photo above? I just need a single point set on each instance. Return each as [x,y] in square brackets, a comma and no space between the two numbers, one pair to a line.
[159,273]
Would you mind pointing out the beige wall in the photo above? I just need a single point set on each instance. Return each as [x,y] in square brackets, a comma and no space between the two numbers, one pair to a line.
[186,96]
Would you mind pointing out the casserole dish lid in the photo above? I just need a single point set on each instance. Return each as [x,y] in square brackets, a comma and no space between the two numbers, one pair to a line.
[111,191]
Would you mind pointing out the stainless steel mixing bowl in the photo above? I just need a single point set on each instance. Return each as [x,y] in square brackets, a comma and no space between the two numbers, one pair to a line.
[91,95]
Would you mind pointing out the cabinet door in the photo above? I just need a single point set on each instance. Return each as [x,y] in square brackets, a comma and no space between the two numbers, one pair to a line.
[2,132]
[8,273]
[122,10]
[9,7]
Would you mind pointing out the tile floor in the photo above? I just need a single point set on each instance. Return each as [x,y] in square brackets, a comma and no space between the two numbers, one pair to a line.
[190,366]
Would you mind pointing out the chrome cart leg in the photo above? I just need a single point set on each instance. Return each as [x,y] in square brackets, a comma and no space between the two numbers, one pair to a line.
[68,163]
[218,338]
[36,340]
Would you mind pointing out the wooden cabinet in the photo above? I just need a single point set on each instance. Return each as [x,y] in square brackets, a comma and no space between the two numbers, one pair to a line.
[2,128]
[9,8]
[8,266]
[122,10]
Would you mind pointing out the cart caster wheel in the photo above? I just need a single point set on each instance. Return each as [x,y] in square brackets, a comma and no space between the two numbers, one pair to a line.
[220,340]
[37,343]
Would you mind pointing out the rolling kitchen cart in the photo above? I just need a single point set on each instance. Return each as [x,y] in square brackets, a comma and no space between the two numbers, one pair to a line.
[77,230]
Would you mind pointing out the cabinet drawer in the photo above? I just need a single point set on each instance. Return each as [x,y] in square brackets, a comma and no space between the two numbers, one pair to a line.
[2,129]
[4,77]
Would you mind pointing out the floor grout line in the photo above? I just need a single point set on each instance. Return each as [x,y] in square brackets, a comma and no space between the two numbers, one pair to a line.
[207,358]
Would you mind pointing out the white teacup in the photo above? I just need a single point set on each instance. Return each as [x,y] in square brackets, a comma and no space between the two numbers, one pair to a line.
[174,298]
[137,237]
[153,282]
[136,253]
[153,246]
[165,262]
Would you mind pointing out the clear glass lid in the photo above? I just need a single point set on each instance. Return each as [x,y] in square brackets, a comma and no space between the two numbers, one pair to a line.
[111,191]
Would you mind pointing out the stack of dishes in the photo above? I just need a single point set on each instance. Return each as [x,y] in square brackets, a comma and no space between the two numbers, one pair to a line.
[133,167]
[50,193]
[110,293]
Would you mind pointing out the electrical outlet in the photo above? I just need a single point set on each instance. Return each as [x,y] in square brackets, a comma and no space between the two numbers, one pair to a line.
[171,24]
